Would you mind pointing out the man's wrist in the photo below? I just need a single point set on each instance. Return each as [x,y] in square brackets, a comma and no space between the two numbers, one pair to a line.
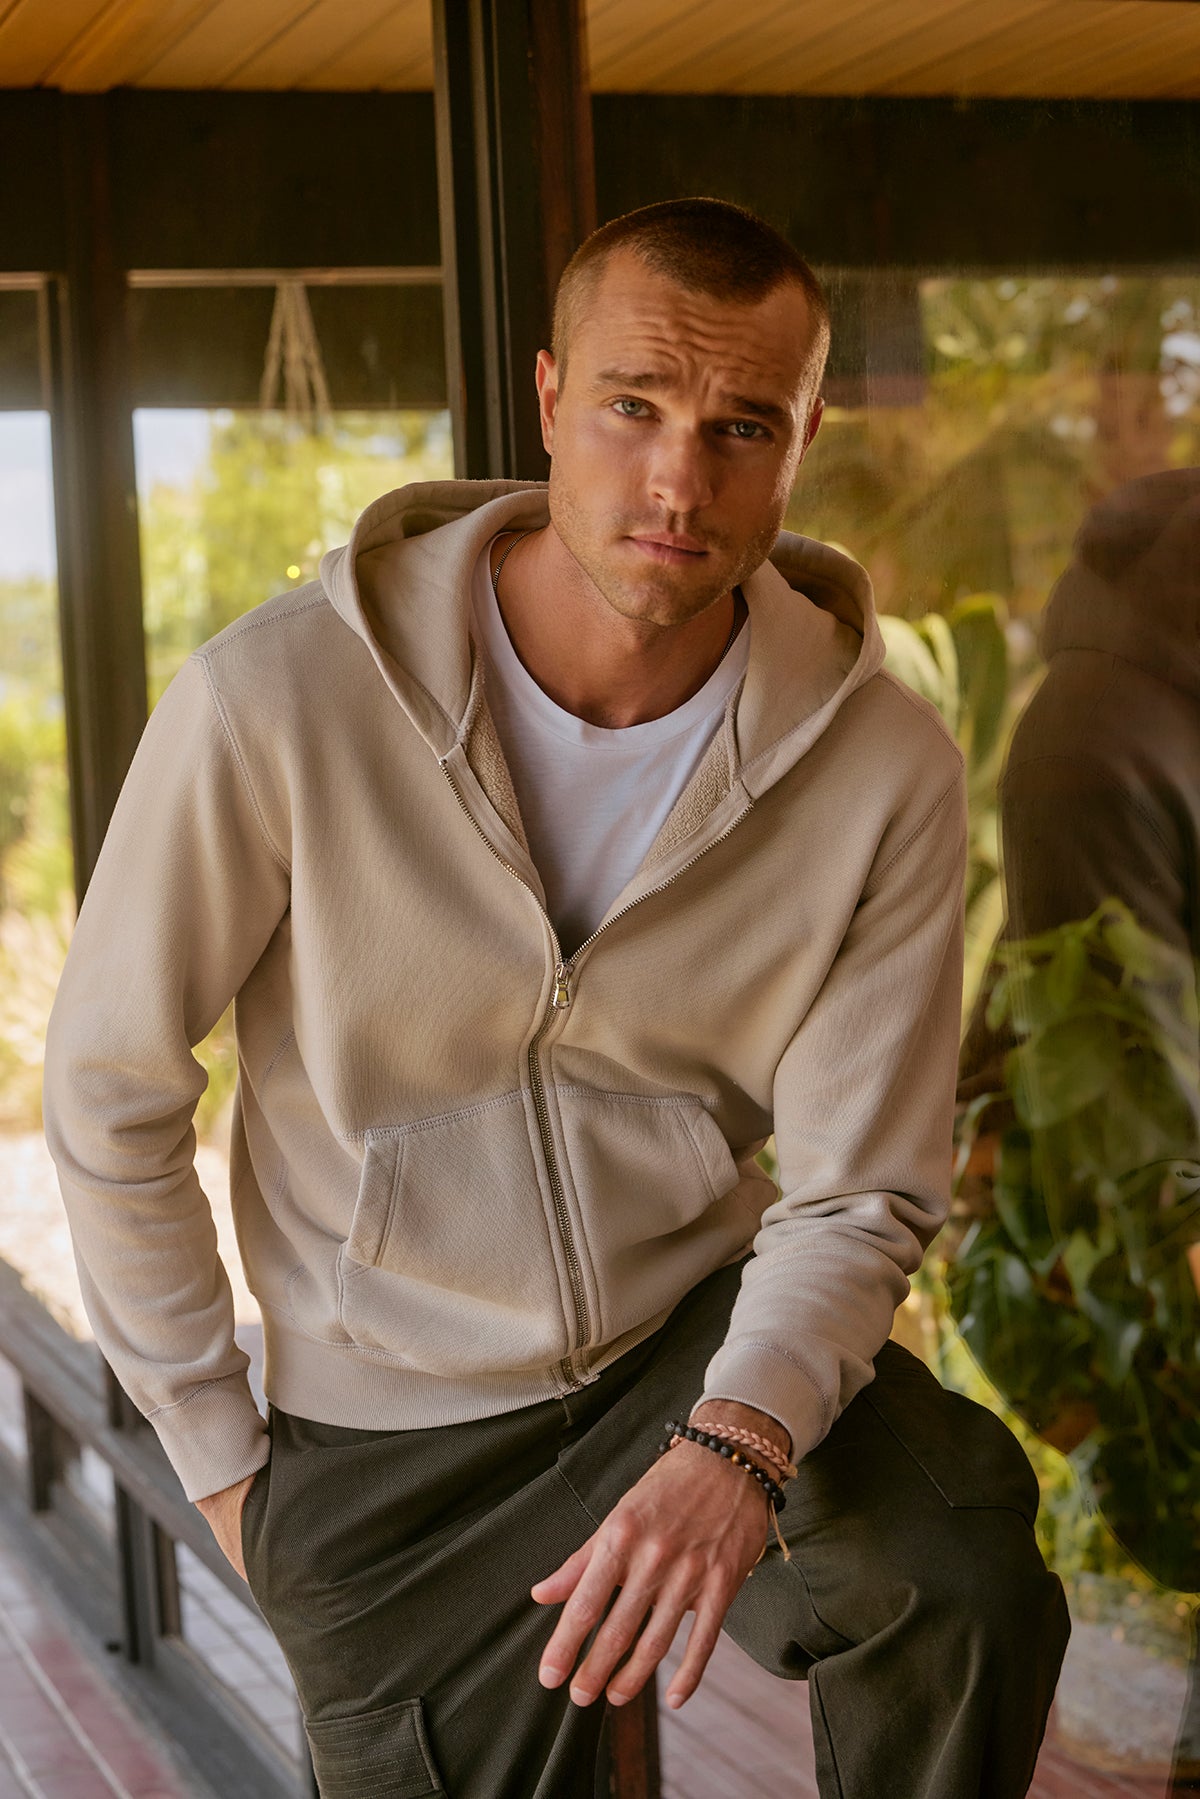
[743,1417]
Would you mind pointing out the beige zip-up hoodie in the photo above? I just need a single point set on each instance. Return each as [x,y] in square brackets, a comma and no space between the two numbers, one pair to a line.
[467,1174]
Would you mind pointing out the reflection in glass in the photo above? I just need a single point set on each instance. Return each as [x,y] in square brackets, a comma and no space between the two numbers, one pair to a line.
[972,424]
[1072,1264]
[37,895]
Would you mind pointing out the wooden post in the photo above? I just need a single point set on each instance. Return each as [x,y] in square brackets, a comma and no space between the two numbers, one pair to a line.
[95,494]
[516,195]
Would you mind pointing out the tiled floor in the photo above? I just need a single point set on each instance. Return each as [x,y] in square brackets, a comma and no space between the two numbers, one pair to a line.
[65,1731]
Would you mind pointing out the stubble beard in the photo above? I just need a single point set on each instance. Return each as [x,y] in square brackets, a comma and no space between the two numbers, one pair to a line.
[654,598]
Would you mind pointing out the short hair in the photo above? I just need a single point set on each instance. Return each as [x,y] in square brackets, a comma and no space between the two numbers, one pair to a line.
[709,247]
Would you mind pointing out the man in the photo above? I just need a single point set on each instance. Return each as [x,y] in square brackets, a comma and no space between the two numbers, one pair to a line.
[559,845]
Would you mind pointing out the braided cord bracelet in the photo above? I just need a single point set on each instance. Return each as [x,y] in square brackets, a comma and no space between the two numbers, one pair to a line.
[689,1433]
[769,1451]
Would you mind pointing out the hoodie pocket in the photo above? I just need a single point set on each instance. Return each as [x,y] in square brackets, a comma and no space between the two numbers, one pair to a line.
[448,1265]
[658,1189]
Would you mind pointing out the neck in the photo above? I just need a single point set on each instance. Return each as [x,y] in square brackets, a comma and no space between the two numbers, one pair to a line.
[592,661]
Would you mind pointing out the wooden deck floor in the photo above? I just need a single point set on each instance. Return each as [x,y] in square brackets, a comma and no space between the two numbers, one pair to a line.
[67,1733]
[745,1732]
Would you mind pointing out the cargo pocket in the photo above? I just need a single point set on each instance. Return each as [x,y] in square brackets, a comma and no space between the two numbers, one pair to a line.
[380,1754]
[969,1454]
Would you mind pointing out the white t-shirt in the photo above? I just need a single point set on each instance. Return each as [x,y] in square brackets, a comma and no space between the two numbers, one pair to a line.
[592,799]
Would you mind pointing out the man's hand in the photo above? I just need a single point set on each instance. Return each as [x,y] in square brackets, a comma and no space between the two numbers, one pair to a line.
[683,1539]
[224,1513]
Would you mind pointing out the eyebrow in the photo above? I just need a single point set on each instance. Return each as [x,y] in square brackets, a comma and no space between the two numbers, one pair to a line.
[650,381]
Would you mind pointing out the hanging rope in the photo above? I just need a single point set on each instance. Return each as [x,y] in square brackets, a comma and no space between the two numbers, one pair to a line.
[294,359]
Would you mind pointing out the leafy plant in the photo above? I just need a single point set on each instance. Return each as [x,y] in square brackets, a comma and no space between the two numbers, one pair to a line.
[1070,1280]
[962,663]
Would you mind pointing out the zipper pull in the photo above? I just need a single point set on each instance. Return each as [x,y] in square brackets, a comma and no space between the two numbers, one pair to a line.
[562,988]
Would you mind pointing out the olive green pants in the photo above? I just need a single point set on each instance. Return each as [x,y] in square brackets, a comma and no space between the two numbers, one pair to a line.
[394,1569]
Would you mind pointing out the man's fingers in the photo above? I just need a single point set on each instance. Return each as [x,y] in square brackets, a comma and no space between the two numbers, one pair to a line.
[611,1641]
[582,1612]
[701,1642]
[559,1585]
[656,1638]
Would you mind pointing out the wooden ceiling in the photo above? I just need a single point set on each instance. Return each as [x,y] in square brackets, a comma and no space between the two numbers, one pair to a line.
[1104,49]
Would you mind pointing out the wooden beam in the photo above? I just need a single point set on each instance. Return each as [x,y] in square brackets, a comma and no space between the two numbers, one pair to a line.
[938,186]
[516,195]
[930,184]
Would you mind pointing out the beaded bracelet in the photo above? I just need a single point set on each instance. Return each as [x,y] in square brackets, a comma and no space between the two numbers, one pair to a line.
[681,1433]
[708,1440]
[770,1452]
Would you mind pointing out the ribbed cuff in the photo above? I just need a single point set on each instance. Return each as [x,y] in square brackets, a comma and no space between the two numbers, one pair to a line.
[756,1375]
[214,1437]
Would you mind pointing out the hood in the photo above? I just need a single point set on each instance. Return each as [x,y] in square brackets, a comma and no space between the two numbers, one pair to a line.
[403,584]
[1133,585]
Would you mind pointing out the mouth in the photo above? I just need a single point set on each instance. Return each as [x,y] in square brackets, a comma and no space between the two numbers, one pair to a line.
[669,547]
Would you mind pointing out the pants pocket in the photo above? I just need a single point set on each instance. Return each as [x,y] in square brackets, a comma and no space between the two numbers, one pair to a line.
[382,1754]
[245,1521]
[969,1454]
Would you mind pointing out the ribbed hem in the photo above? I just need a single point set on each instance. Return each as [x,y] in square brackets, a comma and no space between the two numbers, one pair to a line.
[756,1375]
[343,1383]
[219,1436]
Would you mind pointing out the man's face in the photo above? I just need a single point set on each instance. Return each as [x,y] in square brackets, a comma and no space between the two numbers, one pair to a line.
[675,437]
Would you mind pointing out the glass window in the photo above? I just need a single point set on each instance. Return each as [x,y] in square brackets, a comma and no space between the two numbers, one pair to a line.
[238,501]
[1016,460]
[37,894]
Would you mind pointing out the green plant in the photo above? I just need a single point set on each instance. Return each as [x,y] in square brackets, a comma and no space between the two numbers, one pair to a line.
[1072,1284]
[962,664]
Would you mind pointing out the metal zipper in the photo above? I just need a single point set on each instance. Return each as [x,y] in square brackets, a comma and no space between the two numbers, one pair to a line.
[559,1002]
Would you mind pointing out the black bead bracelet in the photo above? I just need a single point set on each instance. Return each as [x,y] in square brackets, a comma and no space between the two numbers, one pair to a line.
[728,1452]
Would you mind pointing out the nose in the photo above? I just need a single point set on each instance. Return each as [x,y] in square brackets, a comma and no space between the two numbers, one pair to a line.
[680,473]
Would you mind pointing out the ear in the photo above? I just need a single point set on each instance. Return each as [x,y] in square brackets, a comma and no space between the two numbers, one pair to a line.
[813,425]
[547,387]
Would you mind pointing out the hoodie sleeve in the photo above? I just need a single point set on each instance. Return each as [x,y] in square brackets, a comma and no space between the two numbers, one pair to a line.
[186,893]
[864,1104]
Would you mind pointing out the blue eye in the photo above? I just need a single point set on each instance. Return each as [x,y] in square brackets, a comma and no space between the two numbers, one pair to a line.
[638,405]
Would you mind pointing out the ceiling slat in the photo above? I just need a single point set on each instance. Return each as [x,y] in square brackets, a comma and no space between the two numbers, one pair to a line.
[837,51]
[122,42]
[1042,47]
[316,40]
[707,38]
[803,32]
[957,39]
[636,37]
[394,54]
[1008,48]
[221,41]
[1072,59]
[1115,44]
[33,36]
